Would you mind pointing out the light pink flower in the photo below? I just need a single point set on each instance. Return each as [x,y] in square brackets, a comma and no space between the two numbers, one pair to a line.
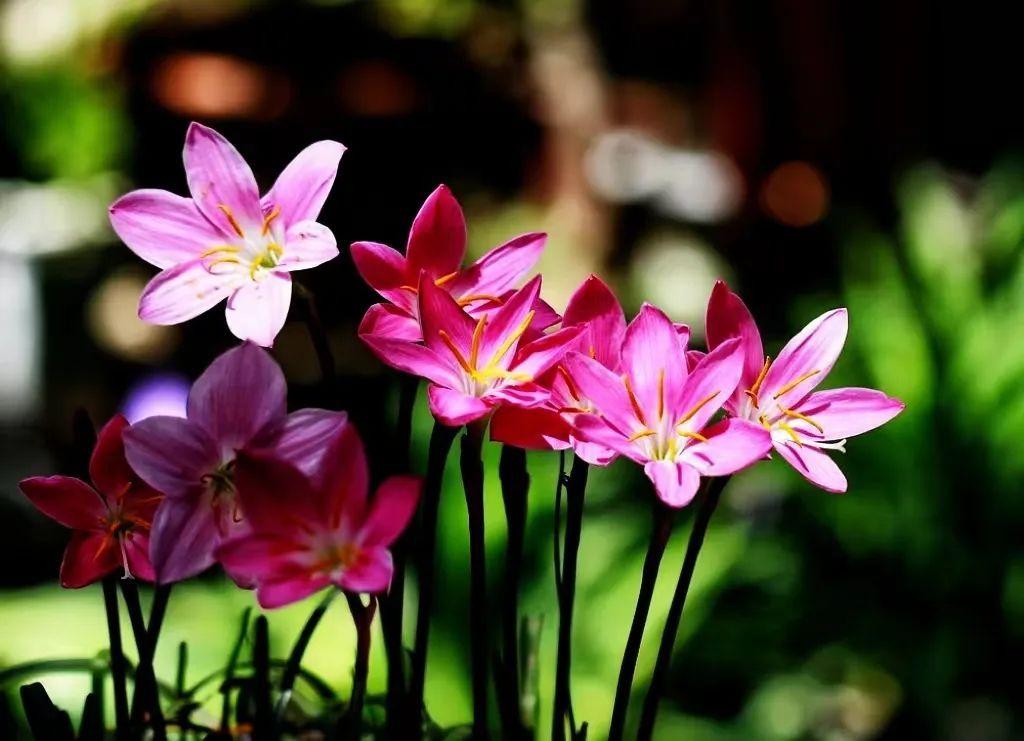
[310,532]
[655,410]
[110,520]
[476,365]
[436,248]
[780,395]
[227,242]
[237,404]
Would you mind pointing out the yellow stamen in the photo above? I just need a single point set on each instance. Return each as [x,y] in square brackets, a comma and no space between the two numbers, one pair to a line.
[474,347]
[641,435]
[230,249]
[633,400]
[760,376]
[791,432]
[455,351]
[223,260]
[794,383]
[269,218]
[511,339]
[661,394]
[690,414]
[465,300]
[445,278]
[797,415]
[671,448]
[763,419]
[414,289]
[593,352]
[231,219]
[492,372]
[692,435]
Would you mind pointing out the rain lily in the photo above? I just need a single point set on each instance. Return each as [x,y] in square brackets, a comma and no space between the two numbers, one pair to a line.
[110,520]
[656,411]
[237,404]
[436,248]
[310,532]
[779,394]
[475,365]
[227,242]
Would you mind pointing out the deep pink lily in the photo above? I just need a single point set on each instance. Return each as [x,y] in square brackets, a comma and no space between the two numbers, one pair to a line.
[307,533]
[237,404]
[475,365]
[436,248]
[110,520]
[656,411]
[227,242]
[780,395]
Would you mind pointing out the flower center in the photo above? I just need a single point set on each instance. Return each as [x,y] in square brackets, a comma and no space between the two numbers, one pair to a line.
[664,440]
[478,379]
[252,255]
[779,420]
[220,484]
[336,557]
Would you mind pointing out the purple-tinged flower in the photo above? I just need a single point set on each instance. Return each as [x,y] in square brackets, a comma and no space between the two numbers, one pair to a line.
[780,396]
[656,411]
[310,532]
[227,242]
[237,404]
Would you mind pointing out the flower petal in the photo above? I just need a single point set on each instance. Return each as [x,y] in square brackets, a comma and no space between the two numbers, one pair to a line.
[136,548]
[108,469]
[501,268]
[308,244]
[505,328]
[280,593]
[530,429]
[303,186]
[412,358]
[439,313]
[711,384]
[240,394]
[675,483]
[258,309]
[87,559]
[219,178]
[733,444]
[455,408]
[162,228]
[185,291]
[371,574]
[170,454]
[594,305]
[69,501]
[814,465]
[385,271]
[388,320]
[526,395]
[845,412]
[437,239]
[654,358]
[808,356]
[728,317]
[260,557]
[275,497]
[539,356]
[183,538]
[604,390]
[345,481]
[304,440]
[391,509]
[595,430]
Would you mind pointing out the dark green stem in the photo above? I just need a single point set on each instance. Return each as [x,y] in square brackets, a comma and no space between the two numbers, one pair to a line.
[147,694]
[575,494]
[117,662]
[515,490]
[362,616]
[264,717]
[291,670]
[229,672]
[660,532]
[441,440]
[317,333]
[472,467]
[675,611]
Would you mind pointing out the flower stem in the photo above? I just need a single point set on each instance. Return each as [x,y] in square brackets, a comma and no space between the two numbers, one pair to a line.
[473,483]
[441,440]
[147,694]
[660,532]
[575,490]
[675,612]
[362,616]
[515,489]
[317,333]
[291,670]
[263,719]
[117,662]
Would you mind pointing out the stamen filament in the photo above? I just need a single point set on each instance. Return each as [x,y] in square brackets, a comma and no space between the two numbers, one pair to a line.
[641,435]
[760,376]
[570,384]
[231,249]
[465,300]
[791,432]
[700,405]
[512,338]
[445,278]
[269,218]
[447,340]
[692,435]
[231,219]
[797,415]
[633,400]
[661,394]
[474,347]
[794,383]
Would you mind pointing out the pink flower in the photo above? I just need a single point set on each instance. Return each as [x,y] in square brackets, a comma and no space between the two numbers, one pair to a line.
[110,522]
[436,247]
[780,394]
[309,532]
[476,365]
[237,404]
[657,410]
[227,242]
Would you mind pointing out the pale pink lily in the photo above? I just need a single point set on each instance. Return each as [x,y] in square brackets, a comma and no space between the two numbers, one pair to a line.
[475,365]
[307,533]
[656,411]
[436,248]
[779,395]
[237,404]
[227,242]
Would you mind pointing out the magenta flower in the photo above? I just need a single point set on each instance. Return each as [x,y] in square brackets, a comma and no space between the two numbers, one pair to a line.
[656,411]
[237,404]
[227,242]
[780,394]
[323,531]
[436,247]
[476,365]
[110,520]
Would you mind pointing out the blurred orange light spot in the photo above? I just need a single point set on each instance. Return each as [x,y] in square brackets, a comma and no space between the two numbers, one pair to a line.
[795,194]
[377,88]
[219,86]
